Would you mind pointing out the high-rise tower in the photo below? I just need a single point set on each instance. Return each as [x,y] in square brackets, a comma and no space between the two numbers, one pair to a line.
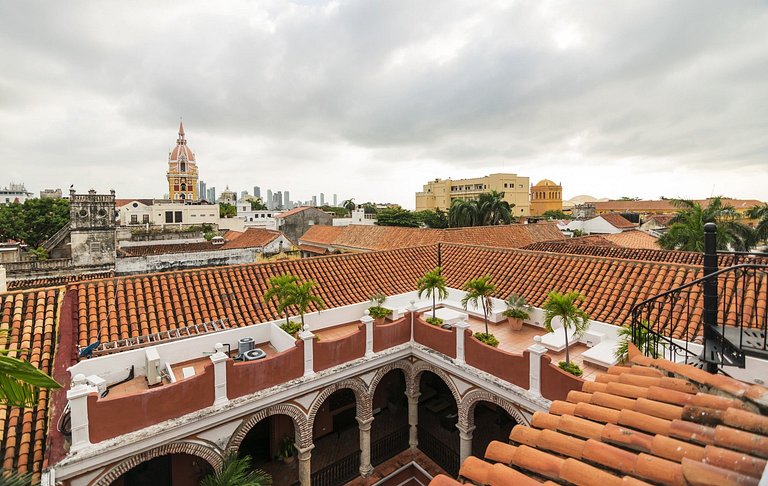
[182,171]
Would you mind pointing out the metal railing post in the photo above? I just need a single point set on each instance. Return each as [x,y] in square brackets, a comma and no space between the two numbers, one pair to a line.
[710,293]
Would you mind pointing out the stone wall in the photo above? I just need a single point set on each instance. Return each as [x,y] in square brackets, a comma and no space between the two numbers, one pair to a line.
[179,261]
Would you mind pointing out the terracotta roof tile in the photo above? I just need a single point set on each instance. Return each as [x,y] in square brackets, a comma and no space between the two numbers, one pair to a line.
[321,235]
[634,239]
[38,283]
[618,221]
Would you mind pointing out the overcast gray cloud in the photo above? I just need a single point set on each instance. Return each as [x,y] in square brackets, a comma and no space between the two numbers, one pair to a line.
[372,99]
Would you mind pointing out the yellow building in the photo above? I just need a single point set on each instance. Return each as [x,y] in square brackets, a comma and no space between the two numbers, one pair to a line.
[546,196]
[439,193]
[182,171]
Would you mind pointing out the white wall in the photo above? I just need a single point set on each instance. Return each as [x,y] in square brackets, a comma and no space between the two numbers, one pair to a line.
[595,225]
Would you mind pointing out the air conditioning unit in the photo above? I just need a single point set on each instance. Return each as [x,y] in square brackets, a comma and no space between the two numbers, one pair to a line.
[245,344]
[153,367]
[254,354]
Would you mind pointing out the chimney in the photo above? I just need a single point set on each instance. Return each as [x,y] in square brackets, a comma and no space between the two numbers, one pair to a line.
[3,280]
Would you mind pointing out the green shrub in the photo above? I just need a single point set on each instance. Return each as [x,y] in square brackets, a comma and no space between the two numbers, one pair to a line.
[488,339]
[571,368]
[435,321]
[378,311]
[517,307]
[291,328]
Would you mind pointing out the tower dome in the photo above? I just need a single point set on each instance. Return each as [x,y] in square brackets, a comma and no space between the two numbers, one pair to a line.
[182,170]
[181,150]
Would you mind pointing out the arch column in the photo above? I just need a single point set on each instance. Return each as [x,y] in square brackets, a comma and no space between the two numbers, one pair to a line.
[365,446]
[413,418]
[465,444]
[305,464]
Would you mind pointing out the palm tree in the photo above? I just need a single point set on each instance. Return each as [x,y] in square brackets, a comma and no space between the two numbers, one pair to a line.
[301,296]
[19,380]
[279,290]
[571,317]
[686,231]
[462,213]
[492,209]
[647,342]
[236,471]
[432,284]
[480,289]
[349,205]
[760,213]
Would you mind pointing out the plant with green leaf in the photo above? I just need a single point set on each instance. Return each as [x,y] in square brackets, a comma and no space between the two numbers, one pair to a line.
[279,290]
[686,230]
[647,342]
[433,284]
[15,478]
[435,321]
[571,368]
[377,309]
[302,296]
[287,447]
[486,338]
[291,327]
[517,307]
[574,320]
[236,471]
[19,380]
[479,293]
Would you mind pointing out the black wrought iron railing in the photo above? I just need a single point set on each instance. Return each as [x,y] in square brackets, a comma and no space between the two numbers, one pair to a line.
[443,454]
[340,472]
[389,446]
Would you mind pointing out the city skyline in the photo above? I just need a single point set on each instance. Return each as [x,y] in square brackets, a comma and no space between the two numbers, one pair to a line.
[551,91]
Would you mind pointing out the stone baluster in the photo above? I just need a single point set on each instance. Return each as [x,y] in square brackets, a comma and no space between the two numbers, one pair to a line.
[309,339]
[412,309]
[536,351]
[219,360]
[460,326]
[368,321]
[465,445]
[365,446]
[78,406]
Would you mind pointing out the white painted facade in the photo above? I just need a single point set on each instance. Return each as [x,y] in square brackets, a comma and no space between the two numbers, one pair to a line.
[14,193]
[165,213]
[358,217]
[596,225]
[253,218]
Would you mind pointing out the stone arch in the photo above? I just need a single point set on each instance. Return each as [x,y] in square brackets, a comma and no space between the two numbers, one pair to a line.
[405,366]
[198,448]
[471,399]
[303,432]
[362,398]
[423,366]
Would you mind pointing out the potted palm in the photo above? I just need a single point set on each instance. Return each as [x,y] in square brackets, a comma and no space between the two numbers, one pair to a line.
[278,290]
[236,471]
[646,341]
[517,310]
[302,297]
[433,284]
[478,293]
[377,311]
[574,320]
[287,449]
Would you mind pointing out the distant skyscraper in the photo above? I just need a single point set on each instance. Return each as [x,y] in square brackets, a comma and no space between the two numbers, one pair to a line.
[243,195]
[279,200]
[314,200]
[270,202]
[287,200]
[211,194]
[322,199]
[257,191]
[335,201]
[202,194]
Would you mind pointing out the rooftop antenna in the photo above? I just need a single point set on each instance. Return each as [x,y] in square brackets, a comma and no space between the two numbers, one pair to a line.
[439,258]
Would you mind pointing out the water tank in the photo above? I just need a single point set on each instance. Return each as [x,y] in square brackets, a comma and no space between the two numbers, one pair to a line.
[254,354]
[244,344]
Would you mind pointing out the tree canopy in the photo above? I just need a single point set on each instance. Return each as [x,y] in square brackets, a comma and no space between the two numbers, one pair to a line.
[489,208]
[397,217]
[227,210]
[33,221]
[686,230]
[555,214]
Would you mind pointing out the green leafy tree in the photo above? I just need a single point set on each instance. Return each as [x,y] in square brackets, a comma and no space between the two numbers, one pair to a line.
[396,217]
[760,213]
[337,211]
[19,380]
[349,205]
[433,284]
[227,210]
[574,320]
[257,204]
[34,221]
[686,230]
[555,214]
[236,471]
[437,219]
[279,290]
[479,292]
[493,209]
[301,296]
[370,208]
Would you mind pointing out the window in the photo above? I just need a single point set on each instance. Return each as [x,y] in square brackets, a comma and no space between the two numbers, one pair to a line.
[134,219]
[521,186]
[169,216]
[177,217]
[145,218]
[95,247]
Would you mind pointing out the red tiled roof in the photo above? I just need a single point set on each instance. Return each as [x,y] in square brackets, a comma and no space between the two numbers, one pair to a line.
[317,250]
[665,205]
[31,319]
[321,234]
[662,219]
[369,237]
[252,238]
[293,211]
[589,240]
[618,221]
[37,283]
[653,421]
[634,239]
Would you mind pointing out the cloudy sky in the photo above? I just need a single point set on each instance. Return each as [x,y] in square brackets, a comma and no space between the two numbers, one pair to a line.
[370,99]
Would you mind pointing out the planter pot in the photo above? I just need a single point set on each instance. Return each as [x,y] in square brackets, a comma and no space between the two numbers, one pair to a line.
[515,323]
[379,321]
[288,459]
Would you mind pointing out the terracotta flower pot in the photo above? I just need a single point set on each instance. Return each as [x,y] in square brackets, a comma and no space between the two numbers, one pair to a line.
[515,323]
[378,321]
